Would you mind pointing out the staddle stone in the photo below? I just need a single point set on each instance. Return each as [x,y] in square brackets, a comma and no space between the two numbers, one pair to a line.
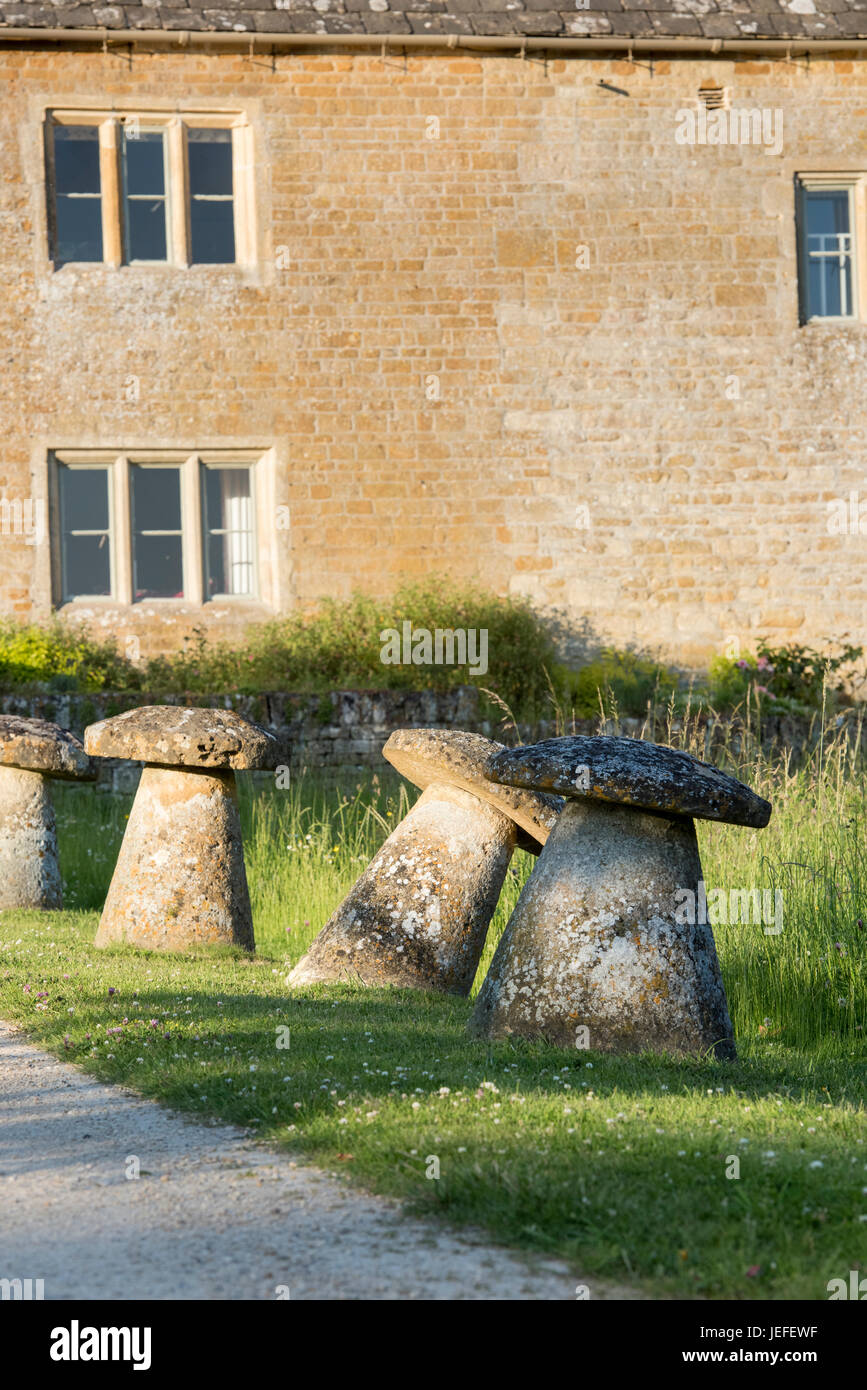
[35,745]
[419,914]
[31,752]
[598,953]
[175,736]
[180,879]
[425,756]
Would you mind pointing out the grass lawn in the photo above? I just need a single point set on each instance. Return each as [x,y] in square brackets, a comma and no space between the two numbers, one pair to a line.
[622,1164]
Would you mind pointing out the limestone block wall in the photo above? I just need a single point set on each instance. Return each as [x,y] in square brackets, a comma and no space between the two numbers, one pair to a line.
[499,323]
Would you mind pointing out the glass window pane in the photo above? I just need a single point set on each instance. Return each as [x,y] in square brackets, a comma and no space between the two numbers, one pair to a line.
[156,498]
[829,289]
[85,558]
[146,230]
[84,498]
[145,203]
[86,566]
[144,164]
[212,232]
[79,229]
[829,253]
[76,159]
[77,194]
[828,211]
[228,506]
[212,220]
[210,157]
[158,570]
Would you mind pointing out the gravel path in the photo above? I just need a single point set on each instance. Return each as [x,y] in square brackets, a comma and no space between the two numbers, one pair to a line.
[214,1214]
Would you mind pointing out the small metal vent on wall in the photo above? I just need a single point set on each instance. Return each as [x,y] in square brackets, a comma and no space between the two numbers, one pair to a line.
[713,98]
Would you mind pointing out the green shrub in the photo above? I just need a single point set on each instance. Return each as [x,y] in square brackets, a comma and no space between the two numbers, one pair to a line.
[787,679]
[59,657]
[799,673]
[340,644]
[616,679]
[337,646]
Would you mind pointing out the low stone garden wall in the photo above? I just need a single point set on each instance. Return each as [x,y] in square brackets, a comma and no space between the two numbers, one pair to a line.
[335,733]
[343,731]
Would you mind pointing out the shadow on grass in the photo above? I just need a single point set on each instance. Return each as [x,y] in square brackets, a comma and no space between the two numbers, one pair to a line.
[607,1160]
[342,1023]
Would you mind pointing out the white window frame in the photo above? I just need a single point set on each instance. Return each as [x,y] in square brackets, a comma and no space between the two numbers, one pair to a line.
[855,185]
[168,199]
[178,238]
[208,460]
[131,462]
[73,466]
[53,201]
[191,463]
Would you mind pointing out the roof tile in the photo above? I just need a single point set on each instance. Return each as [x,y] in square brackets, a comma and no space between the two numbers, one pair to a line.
[494,25]
[539,22]
[725,19]
[681,25]
[440,24]
[851,25]
[586,26]
[719,26]
[306,21]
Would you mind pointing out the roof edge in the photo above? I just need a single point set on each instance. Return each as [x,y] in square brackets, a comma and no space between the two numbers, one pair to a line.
[251,41]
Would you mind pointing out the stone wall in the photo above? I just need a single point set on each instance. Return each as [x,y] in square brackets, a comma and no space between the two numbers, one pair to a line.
[332,734]
[342,732]
[550,347]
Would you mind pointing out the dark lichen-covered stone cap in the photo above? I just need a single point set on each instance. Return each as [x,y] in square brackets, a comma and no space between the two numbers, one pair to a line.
[424,756]
[35,745]
[174,736]
[630,772]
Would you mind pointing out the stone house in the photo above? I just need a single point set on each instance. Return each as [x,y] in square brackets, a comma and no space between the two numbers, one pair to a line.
[306,297]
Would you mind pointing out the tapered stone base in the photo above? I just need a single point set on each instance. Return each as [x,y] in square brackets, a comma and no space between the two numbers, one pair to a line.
[180,879]
[595,955]
[419,914]
[29,872]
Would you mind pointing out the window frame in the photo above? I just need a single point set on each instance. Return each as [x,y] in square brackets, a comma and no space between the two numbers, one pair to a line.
[132,462]
[205,462]
[175,124]
[52,201]
[855,185]
[190,196]
[81,465]
[119,464]
[126,197]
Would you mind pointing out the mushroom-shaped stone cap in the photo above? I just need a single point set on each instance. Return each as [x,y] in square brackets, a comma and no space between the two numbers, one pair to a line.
[35,745]
[174,736]
[424,756]
[630,772]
